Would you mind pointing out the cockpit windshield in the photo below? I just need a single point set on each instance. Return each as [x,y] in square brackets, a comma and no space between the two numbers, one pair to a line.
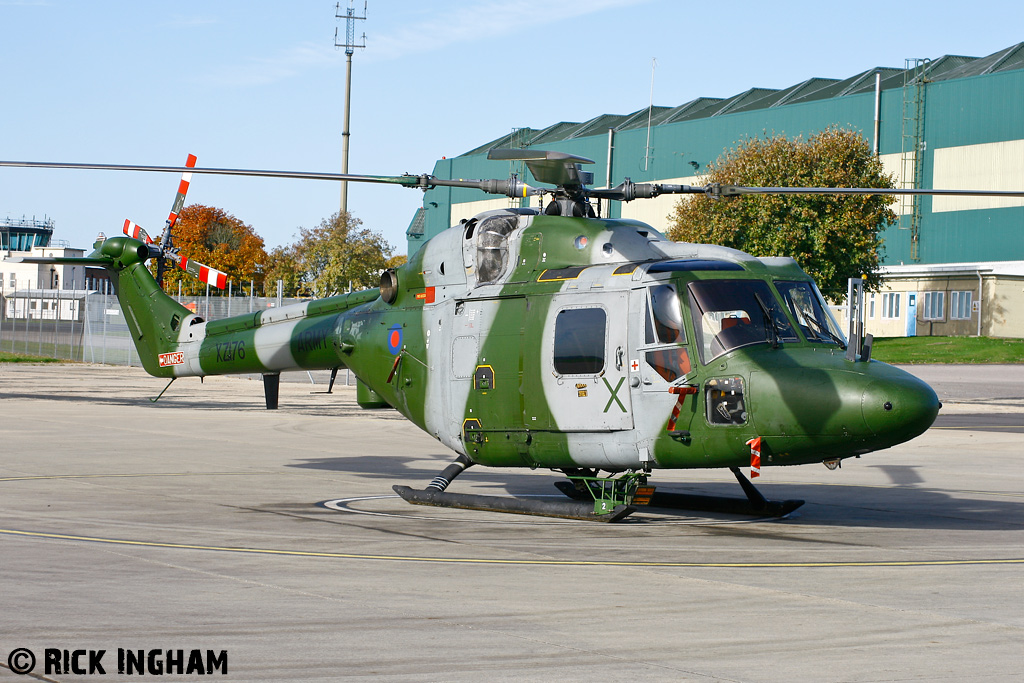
[728,314]
[811,313]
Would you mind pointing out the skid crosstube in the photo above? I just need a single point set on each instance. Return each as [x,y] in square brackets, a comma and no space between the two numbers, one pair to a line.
[564,509]
[754,504]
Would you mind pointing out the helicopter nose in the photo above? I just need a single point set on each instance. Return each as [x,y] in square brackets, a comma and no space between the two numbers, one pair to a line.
[899,406]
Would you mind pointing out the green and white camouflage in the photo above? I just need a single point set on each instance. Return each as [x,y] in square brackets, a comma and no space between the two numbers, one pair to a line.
[525,340]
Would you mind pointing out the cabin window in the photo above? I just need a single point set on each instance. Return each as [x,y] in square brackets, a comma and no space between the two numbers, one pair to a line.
[728,314]
[960,305]
[580,341]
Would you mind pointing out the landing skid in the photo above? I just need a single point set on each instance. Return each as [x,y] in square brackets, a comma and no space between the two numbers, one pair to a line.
[565,509]
[435,495]
[755,503]
[598,499]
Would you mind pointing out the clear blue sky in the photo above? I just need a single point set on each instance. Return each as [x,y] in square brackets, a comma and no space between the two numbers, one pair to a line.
[259,84]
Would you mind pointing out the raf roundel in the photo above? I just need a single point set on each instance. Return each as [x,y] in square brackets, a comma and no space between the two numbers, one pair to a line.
[395,339]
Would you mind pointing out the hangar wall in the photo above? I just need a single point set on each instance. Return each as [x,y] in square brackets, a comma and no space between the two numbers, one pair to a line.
[971,136]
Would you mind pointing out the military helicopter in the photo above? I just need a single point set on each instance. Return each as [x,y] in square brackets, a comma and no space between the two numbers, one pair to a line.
[557,339]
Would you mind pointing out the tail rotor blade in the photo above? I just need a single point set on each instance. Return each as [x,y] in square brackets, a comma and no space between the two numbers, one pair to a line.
[179,199]
[210,276]
[136,231]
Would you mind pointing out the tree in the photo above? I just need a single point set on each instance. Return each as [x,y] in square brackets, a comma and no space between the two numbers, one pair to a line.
[833,237]
[217,239]
[283,265]
[328,259]
[397,261]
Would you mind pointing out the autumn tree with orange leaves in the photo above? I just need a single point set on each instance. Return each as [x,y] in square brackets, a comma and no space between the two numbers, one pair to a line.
[217,239]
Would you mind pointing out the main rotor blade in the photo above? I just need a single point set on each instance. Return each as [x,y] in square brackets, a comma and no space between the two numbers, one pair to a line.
[715,190]
[628,191]
[407,180]
[507,187]
[625,192]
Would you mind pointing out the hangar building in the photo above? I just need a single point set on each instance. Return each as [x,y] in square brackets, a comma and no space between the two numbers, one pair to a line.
[952,265]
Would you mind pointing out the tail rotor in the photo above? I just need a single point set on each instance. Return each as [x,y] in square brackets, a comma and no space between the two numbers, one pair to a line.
[165,251]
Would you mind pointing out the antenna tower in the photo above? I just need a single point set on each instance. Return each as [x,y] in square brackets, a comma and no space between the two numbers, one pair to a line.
[350,45]
[649,151]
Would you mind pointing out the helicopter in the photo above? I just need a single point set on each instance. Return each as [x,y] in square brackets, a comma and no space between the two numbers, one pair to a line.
[553,338]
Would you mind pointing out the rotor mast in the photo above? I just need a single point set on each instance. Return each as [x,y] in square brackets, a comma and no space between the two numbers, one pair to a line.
[350,45]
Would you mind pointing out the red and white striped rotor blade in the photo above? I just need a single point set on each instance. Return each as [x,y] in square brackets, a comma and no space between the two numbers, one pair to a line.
[136,231]
[179,199]
[210,276]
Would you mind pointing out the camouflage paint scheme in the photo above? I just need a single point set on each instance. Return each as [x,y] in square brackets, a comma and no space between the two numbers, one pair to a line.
[466,351]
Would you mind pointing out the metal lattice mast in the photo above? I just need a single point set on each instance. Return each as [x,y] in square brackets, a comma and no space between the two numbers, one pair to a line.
[914,79]
[518,139]
[350,45]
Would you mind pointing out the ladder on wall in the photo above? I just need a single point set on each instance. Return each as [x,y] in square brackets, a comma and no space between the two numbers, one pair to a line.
[913,149]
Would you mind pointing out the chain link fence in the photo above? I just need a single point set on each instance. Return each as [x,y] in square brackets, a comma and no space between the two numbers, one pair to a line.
[89,326]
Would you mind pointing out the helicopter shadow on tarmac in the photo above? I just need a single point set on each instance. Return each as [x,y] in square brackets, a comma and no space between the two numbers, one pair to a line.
[904,504]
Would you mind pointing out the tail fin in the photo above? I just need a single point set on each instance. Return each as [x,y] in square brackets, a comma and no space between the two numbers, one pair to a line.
[153,318]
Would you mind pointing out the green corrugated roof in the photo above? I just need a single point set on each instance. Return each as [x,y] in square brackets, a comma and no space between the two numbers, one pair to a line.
[501,143]
[600,124]
[944,68]
[770,100]
[811,89]
[417,224]
[742,100]
[559,131]
[1005,60]
[638,119]
[695,109]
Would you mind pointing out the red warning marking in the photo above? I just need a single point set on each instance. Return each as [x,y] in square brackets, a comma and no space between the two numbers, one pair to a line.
[426,296]
[683,392]
[175,358]
[755,457]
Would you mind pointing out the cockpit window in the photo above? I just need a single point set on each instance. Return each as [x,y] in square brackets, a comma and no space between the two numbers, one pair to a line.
[666,316]
[492,246]
[664,349]
[728,314]
[810,312]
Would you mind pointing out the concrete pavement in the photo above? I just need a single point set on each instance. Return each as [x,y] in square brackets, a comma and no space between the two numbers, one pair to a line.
[205,521]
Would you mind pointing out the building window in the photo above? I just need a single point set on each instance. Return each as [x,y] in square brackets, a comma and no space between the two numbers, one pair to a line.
[960,305]
[934,305]
[871,307]
[579,341]
[890,305]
